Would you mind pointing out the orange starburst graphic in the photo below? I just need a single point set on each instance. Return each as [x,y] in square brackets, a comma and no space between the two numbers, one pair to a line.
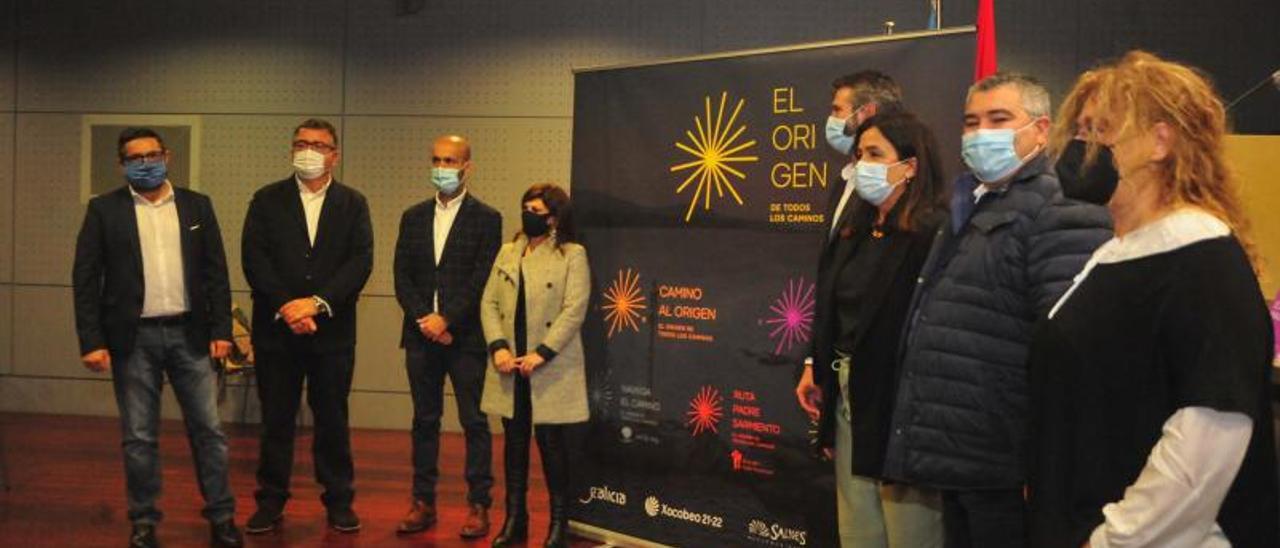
[705,410]
[624,302]
[714,148]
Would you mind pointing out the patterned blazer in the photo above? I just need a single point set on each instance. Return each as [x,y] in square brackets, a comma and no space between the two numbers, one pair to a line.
[468,255]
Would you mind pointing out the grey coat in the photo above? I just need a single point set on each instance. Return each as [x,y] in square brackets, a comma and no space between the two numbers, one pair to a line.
[557,288]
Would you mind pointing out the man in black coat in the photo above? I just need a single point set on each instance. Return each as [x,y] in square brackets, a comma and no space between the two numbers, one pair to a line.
[307,251]
[444,252]
[152,300]
[1013,245]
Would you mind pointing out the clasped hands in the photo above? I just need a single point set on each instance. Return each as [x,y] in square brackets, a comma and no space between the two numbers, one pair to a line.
[435,328]
[506,362]
[300,315]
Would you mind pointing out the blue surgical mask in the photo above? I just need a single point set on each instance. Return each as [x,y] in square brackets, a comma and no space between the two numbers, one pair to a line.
[991,154]
[871,181]
[144,176]
[836,137]
[446,179]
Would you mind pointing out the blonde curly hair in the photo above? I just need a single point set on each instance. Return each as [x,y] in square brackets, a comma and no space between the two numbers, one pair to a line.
[1141,90]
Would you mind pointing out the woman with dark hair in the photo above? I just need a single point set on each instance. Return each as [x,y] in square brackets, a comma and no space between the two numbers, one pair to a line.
[892,208]
[532,311]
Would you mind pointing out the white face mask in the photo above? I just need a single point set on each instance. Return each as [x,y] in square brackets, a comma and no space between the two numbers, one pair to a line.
[308,164]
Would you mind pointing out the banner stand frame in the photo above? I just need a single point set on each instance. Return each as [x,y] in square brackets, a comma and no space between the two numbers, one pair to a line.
[610,538]
[783,49]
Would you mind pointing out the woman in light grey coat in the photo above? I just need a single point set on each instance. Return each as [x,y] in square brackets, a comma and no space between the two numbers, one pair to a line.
[532,312]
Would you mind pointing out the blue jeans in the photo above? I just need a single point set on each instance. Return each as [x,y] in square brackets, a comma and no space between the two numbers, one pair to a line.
[138,379]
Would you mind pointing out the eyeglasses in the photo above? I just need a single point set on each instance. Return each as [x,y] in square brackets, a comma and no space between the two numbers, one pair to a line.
[318,146]
[153,157]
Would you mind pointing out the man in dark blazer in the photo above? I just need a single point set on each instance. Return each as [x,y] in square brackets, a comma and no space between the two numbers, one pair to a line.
[152,300]
[307,251]
[444,252]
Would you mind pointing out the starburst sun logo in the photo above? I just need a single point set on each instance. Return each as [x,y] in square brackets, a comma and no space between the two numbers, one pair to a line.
[705,411]
[714,149]
[624,302]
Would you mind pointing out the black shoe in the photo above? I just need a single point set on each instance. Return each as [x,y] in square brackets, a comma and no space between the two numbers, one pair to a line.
[344,520]
[265,520]
[515,462]
[225,534]
[515,530]
[558,528]
[555,467]
[143,536]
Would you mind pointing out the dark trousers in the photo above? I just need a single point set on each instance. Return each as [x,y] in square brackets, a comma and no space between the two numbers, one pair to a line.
[994,518]
[328,380]
[138,379]
[552,445]
[427,367]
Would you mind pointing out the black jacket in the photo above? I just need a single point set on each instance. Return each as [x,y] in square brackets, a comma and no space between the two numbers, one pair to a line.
[872,379]
[280,263]
[460,277]
[960,420]
[108,278]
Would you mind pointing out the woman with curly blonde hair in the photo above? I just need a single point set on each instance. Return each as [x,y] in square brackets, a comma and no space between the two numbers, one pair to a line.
[1152,423]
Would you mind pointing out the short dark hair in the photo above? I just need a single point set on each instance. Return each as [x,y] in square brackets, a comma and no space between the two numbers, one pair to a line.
[558,206]
[927,193]
[871,86]
[1035,97]
[133,134]
[318,123]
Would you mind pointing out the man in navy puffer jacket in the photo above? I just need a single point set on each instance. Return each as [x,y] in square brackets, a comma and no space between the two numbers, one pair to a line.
[1012,247]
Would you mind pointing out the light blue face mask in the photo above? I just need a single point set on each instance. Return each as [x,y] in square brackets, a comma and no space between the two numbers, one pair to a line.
[991,153]
[446,179]
[145,176]
[836,137]
[871,181]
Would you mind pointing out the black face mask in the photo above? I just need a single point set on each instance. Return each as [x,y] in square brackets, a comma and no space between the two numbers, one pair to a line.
[533,224]
[1094,183]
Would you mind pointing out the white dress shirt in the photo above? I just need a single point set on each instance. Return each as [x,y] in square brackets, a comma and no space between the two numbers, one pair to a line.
[160,240]
[844,200]
[1176,497]
[312,204]
[446,213]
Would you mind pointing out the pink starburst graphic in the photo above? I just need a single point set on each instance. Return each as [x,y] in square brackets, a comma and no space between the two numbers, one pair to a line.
[792,320]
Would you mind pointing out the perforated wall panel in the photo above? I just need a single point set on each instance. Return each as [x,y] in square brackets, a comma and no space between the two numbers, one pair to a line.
[44,333]
[501,58]
[181,56]
[8,32]
[6,328]
[388,158]
[46,197]
[6,197]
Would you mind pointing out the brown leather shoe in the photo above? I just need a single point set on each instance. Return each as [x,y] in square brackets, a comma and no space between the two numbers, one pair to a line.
[420,516]
[477,524]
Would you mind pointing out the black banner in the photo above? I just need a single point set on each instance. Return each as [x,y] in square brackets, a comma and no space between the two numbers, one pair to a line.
[701,189]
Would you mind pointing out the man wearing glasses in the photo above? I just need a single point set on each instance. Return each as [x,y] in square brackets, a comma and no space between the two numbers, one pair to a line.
[307,250]
[152,300]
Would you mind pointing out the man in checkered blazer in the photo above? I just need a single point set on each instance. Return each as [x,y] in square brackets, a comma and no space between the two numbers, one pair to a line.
[444,252]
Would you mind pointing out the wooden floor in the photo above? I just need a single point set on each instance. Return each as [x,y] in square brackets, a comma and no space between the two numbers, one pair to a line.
[65,479]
